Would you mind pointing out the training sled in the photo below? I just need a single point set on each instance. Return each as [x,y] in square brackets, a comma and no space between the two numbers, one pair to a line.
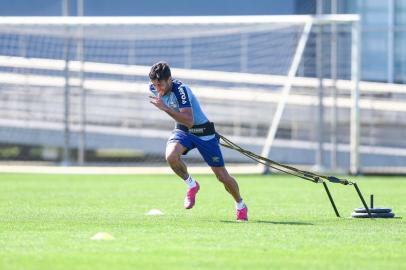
[377,212]
[310,176]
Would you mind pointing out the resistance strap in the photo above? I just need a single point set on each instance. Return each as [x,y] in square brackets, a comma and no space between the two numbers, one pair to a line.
[310,176]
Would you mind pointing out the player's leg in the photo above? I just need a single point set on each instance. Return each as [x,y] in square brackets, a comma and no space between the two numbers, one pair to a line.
[231,186]
[174,150]
[228,181]
[211,152]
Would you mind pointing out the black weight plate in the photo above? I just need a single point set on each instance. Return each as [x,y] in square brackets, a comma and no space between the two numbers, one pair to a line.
[374,215]
[373,210]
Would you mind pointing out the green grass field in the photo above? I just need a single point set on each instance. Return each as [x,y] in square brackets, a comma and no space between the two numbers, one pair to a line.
[46,222]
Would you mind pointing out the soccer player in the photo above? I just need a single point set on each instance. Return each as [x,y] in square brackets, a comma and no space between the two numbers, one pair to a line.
[192,130]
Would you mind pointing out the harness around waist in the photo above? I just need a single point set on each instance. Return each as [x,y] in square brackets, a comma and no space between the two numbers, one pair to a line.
[205,129]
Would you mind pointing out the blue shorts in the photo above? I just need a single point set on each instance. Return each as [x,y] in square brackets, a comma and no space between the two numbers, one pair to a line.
[210,149]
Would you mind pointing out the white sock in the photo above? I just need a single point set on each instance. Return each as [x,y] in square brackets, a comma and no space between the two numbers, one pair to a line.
[190,182]
[240,205]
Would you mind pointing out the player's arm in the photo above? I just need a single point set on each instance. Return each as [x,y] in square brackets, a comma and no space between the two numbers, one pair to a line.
[184,116]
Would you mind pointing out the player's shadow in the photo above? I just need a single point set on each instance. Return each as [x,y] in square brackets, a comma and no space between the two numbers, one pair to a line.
[283,222]
[272,222]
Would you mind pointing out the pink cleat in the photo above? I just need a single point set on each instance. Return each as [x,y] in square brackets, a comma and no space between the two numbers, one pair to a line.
[191,196]
[242,214]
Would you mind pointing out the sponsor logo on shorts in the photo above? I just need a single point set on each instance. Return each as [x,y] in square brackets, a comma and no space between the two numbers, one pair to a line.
[215,159]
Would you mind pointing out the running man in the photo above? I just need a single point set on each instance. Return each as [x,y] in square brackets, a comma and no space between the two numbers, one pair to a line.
[192,130]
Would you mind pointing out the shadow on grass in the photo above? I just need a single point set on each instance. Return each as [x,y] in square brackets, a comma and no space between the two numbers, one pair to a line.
[271,222]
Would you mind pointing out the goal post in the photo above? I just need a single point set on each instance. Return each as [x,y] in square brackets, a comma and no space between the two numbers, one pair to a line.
[355,71]
[355,110]
[285,92]
[80,83]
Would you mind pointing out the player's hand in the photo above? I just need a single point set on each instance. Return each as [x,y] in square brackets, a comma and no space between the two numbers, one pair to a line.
[157,101]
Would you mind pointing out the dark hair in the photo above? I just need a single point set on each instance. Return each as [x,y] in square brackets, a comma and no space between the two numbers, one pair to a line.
[160,71]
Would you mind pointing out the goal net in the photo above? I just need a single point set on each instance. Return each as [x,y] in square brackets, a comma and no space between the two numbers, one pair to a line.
[75,89]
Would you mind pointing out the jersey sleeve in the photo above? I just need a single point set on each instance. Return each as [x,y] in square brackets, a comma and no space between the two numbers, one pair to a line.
[183,97]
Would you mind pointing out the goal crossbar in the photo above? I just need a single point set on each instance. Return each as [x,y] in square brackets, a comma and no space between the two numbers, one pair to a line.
[184,20]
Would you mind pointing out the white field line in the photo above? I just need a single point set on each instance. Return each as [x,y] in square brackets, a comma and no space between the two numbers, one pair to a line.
[235,169]
[232,168]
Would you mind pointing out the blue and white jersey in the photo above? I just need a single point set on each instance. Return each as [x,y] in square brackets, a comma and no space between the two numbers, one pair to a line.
[182,97]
